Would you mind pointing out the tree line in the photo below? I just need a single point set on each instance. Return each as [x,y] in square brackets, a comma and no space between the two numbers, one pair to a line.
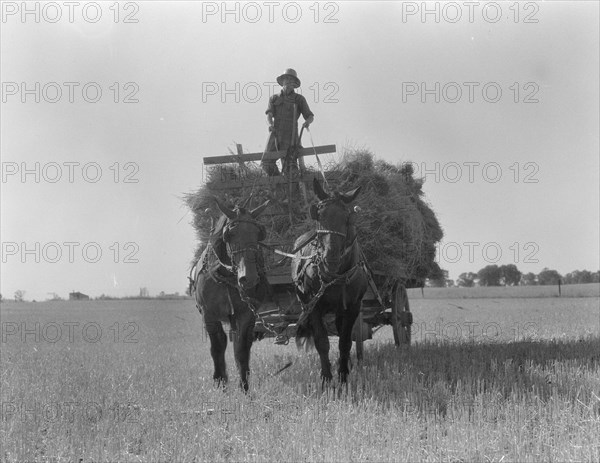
[510,275]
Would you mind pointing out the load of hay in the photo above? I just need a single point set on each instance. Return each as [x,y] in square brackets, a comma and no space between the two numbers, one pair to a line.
[398,230]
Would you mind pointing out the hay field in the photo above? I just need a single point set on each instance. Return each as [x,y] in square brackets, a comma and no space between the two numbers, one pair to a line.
[488,379]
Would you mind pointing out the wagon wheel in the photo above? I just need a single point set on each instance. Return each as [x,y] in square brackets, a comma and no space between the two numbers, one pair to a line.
[401,315]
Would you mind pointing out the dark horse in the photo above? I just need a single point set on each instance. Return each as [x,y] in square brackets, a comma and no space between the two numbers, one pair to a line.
[329,276]
[229,285]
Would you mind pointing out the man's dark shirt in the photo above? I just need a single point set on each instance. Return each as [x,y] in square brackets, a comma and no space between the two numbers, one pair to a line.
[281,106]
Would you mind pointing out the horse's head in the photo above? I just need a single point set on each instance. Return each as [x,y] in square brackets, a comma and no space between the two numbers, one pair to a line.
[241,235]
[336,225]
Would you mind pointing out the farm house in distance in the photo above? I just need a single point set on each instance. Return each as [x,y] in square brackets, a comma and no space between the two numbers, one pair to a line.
[77,296]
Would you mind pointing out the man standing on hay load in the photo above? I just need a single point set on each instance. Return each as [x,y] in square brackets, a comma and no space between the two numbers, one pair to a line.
[283,113]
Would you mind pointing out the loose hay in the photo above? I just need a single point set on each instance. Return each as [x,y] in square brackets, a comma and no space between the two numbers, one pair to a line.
[398,230]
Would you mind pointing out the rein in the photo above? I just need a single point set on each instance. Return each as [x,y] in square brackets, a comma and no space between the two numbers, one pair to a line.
[292,254]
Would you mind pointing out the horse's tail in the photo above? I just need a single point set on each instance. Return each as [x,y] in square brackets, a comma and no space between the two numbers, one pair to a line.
[304,334]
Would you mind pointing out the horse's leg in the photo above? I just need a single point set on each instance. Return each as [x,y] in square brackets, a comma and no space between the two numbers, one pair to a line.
[242,344]
[344,322]
[321,342]
[218,344]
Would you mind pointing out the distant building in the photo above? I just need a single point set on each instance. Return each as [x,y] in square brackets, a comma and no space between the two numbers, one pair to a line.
[163,295]
[77,296]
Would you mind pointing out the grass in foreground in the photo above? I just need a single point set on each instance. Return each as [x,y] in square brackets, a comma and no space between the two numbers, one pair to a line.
[153,400]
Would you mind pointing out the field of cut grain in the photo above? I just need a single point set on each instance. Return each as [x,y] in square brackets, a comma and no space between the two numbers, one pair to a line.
[487,379]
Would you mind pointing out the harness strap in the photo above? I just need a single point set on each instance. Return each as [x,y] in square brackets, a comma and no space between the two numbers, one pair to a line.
[230,268]
[317,156]
[285,254]
[311,237]
[324,231]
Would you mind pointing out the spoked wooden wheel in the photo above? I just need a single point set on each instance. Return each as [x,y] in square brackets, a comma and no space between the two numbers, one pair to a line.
[401,315]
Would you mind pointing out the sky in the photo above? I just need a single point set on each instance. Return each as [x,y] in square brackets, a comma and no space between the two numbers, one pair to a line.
[109,108]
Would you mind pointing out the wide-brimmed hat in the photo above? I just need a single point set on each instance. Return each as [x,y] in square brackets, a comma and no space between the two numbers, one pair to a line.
[289,73]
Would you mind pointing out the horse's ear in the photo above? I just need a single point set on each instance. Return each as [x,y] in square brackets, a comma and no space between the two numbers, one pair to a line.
[244,205]
[224,209]
[259,210]
[350,195]
[319,190]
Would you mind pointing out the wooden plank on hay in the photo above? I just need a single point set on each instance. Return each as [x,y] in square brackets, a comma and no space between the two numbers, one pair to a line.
[271,155]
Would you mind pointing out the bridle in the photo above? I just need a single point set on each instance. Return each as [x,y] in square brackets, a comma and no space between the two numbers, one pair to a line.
[324,231]
[233,268]
[326,278]
[230,282]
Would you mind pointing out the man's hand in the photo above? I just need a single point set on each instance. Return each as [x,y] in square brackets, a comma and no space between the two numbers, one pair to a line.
[308,121]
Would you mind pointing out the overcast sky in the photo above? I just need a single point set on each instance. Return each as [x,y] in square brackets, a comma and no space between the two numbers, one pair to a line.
[496,104]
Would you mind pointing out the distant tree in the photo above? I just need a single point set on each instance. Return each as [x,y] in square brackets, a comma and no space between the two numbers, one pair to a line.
[569,278]
[439,280]
[19,295]
[596,277]
[510,275]
[489,276]
[585,276]
[467,279]
[529,279]
[578,276]
[548,277]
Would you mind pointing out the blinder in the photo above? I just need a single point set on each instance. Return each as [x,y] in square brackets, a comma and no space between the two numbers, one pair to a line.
[262,231]
[314,212]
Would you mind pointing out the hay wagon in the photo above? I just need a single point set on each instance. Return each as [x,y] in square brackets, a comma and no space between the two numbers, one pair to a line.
[385,302]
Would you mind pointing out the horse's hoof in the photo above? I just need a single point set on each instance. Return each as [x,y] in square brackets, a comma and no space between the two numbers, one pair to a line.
[326,380]
[220,383]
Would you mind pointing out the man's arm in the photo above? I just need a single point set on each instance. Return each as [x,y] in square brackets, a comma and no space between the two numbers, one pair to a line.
[270,122]
[269,113]
[308,115]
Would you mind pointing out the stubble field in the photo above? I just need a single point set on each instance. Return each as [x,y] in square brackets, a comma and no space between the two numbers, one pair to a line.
[489,377]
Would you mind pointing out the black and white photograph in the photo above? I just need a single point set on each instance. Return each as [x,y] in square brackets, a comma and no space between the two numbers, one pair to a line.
[305,231]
